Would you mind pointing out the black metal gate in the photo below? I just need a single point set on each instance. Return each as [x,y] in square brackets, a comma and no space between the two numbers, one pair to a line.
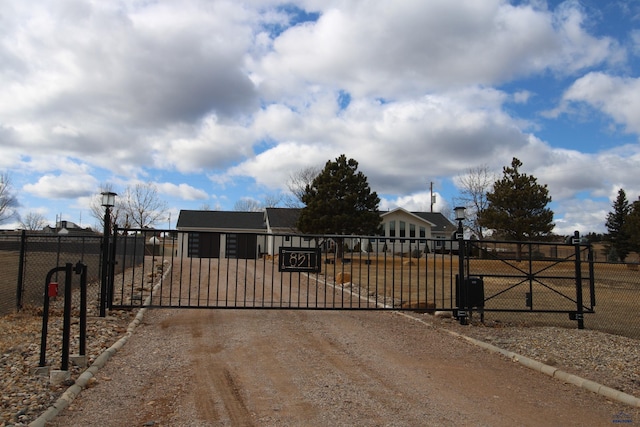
[272,271]
[531,277]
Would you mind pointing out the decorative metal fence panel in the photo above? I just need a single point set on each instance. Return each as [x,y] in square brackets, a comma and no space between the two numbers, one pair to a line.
[534,277]
[242,270]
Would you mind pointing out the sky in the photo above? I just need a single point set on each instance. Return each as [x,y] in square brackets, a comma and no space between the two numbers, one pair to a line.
[215,101]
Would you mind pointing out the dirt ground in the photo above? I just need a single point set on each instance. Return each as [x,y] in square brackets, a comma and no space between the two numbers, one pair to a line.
[294,368]
[246,367]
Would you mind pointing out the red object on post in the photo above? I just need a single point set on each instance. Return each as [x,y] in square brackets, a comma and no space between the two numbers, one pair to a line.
[53,289]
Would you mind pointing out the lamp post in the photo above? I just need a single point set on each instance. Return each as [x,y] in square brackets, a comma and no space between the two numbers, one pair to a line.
[108,201]
[462,291]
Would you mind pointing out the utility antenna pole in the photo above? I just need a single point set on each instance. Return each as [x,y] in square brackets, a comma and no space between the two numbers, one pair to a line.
[433,198]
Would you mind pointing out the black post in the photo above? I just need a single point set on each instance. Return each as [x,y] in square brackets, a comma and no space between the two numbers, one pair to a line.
[592,287]
[112,267]
[66,321]
[45,315]
[464,298]
[23,250]
[82,270]
[104,284]
[580,312]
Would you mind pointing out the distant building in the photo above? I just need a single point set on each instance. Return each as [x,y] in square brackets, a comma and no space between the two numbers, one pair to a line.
[232,234]
[68,228]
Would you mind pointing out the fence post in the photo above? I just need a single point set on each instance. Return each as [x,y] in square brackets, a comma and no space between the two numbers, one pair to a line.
[82,270]
[104,282]
[66,321]
[592,287]
[580,308]
[464,311]
[20,286]
[112,267]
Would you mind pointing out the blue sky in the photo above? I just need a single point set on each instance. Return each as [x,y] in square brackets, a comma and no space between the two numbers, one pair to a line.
[217,101]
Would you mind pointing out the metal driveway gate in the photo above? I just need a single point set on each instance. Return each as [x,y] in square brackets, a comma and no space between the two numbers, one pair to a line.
[274,271]
[532,277]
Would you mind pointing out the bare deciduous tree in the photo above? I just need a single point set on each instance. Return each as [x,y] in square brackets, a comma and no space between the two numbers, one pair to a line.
[474,185]
[33,221]
[248,205]
[272,200]
[139,206]
[8,200]
[298,182]
[142,205]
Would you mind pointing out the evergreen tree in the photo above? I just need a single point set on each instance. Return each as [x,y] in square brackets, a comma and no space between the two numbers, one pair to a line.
[631,228]
[340,201]
[616,225]
[518,206]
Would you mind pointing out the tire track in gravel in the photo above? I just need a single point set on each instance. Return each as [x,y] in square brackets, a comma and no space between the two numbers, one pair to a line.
[219,391]
[350,367]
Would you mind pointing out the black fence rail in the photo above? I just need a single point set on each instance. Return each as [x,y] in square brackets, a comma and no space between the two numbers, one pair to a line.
[244,270]
[531,284]
[233,271]
[534,276]
[239,270]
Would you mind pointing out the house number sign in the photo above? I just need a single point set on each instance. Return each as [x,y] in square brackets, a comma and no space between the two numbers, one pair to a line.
[299,259]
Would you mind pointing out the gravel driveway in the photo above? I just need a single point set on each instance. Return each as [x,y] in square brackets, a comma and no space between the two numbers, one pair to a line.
[320,368]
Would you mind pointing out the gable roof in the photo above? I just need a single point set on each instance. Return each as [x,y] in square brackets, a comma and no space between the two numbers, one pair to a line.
[406,212]
[440,222]
[282,217]
[221,220]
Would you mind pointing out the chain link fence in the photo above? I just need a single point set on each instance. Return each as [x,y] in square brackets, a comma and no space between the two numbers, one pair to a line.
[27,258]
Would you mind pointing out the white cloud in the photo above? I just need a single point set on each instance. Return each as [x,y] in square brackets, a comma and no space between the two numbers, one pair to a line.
[141,90]
[417,202]
[214,146]
[62,186]
[372,49]
[618,97]
[182,191]
[273,167]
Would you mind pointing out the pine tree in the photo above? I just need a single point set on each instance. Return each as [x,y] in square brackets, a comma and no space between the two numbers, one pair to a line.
[631,229]
[616,225]
[340,201]
[518,206]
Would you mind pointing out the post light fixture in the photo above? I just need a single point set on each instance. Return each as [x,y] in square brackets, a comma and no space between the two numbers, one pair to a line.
[108,199]
[462,286]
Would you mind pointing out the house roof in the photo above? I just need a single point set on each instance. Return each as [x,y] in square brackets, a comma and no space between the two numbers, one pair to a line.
[442,224]
[221,220]
[279,218]
[406,212]
[282,217]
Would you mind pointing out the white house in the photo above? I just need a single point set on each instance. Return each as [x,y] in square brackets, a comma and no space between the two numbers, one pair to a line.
[232,234]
